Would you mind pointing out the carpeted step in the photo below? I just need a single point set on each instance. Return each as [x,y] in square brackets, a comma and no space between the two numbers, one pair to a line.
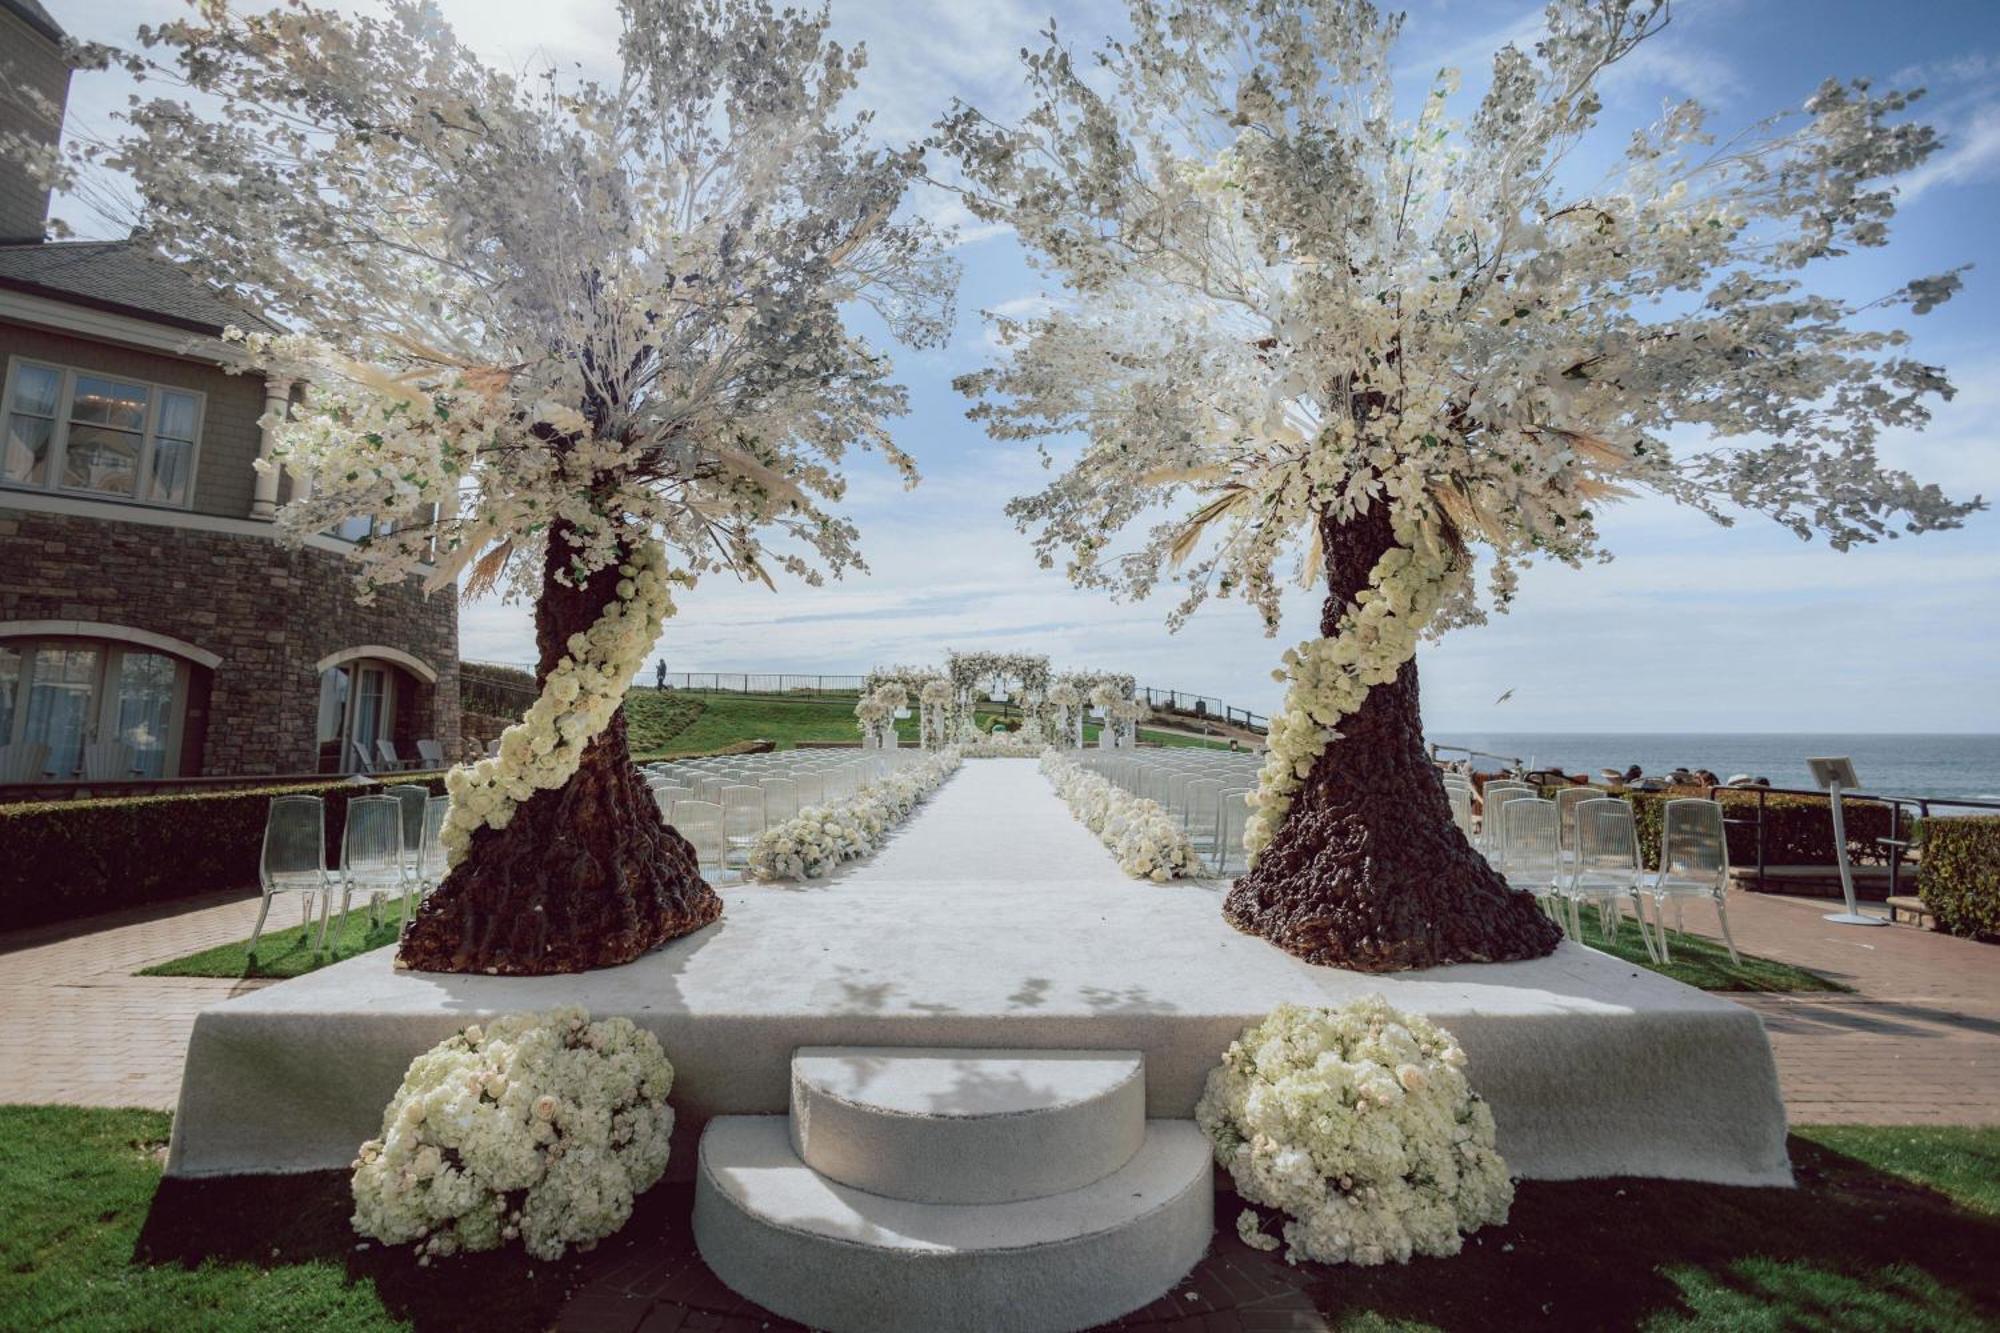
[838,1258]
[966,1126]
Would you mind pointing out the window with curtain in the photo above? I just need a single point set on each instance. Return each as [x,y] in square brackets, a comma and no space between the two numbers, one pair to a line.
[103,435]
[68,693]
[357,707]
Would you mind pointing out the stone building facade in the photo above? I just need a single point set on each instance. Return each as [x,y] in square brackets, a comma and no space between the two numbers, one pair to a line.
[151,623]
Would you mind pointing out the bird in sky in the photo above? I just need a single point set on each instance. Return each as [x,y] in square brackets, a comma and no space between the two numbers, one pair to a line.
[1503,698]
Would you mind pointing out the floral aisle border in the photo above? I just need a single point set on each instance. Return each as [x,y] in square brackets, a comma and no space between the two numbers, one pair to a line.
[1139,832]
[819,838]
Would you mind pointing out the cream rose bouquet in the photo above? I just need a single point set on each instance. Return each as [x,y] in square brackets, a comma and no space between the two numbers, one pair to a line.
[1358,1125]
[537,1127]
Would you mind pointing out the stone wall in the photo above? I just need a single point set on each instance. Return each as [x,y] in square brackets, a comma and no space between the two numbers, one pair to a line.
[270,611]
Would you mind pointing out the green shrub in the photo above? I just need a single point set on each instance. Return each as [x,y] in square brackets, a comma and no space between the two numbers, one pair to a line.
[1959,878]
[67,859]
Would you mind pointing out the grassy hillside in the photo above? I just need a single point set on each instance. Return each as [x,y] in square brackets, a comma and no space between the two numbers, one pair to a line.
[698,723]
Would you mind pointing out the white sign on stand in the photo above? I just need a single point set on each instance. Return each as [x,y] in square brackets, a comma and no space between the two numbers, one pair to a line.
[1837,775]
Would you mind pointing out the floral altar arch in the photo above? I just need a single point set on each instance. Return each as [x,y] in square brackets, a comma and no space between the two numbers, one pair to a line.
[1052,707]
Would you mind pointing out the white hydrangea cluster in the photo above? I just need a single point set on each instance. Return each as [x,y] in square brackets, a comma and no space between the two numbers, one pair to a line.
[1147,841]
[1358,1124]
[541,1127]
[821,837]
[578,700]
[1329,677]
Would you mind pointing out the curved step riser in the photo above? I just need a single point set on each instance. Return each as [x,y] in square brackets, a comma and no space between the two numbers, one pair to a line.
[896,1142]
[846,1261]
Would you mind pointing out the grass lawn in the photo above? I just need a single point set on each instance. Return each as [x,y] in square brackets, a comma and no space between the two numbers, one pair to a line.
[1890,1229]
[1704,964]
[283,953]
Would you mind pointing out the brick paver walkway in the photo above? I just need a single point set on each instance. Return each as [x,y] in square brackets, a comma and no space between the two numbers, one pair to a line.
[75,1024]
[1918,1042]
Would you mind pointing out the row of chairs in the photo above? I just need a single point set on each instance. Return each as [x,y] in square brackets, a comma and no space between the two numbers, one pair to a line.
[99,761]
[390,849]
[723,804]
[1205,791]
[1582,849]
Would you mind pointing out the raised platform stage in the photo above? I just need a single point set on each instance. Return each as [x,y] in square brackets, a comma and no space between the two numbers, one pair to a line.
[995,920]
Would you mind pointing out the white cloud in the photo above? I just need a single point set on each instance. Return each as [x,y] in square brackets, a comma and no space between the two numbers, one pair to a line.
[1971,154]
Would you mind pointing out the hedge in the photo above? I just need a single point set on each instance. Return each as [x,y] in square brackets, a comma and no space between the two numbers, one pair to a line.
[1959,877]
[67,859]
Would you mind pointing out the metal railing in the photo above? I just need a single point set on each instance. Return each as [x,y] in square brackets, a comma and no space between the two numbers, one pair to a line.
[1514,762]
[1896,843]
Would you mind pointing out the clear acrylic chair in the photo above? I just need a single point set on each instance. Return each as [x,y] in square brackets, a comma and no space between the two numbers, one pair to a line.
[414,798]
[432,865]
[700,822]
[293,860]
[666,793]
[373,861]
[1492,814]
[1604,867]
[811,788]
[1204,814]
[1460,799]
[1234,806]
[742,819]
[108,761]
[1567,800]
[1694,863]
[781,799]
[1529,854]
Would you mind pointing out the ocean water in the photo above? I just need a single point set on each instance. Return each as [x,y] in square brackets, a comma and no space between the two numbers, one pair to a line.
[1888,765]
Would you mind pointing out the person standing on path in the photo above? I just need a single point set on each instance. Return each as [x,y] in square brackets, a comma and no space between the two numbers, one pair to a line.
[660,675]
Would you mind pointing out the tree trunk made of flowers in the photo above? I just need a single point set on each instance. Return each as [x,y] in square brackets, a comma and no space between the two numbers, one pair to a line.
[1367,870]
[581,876]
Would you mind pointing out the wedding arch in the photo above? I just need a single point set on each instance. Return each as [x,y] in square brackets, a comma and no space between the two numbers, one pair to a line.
[1053,707]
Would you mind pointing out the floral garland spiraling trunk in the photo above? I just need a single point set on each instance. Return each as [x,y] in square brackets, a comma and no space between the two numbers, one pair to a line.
[560,861]
[1356,861]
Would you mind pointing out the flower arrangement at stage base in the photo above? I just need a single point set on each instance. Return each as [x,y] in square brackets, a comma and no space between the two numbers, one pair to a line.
[819,838]
[1358,1125]
[1001,745]
[877,711]
[537,1127]
[1147,841]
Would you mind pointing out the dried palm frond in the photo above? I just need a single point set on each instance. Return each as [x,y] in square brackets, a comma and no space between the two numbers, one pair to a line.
[1177,475]
[1182,546]
[770,479]
[486,574]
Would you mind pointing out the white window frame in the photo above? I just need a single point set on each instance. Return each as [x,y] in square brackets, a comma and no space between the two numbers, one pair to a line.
[59,439]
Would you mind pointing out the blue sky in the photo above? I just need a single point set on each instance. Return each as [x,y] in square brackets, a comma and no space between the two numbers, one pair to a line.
[1693,627]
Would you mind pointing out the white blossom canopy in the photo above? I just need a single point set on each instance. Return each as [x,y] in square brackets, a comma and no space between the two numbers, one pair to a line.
[1285,304]
[545,306]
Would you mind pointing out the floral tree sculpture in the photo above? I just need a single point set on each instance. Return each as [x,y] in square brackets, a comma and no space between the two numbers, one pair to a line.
[583,342]
[1296,324]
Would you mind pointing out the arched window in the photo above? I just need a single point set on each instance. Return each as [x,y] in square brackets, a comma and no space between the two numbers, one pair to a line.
[359,691]
[102,708]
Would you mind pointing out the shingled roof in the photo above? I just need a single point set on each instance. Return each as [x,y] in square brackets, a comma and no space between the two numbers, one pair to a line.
[124,277]
[31,13]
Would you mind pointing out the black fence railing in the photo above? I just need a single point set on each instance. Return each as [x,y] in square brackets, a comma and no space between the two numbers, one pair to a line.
[1897,845]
